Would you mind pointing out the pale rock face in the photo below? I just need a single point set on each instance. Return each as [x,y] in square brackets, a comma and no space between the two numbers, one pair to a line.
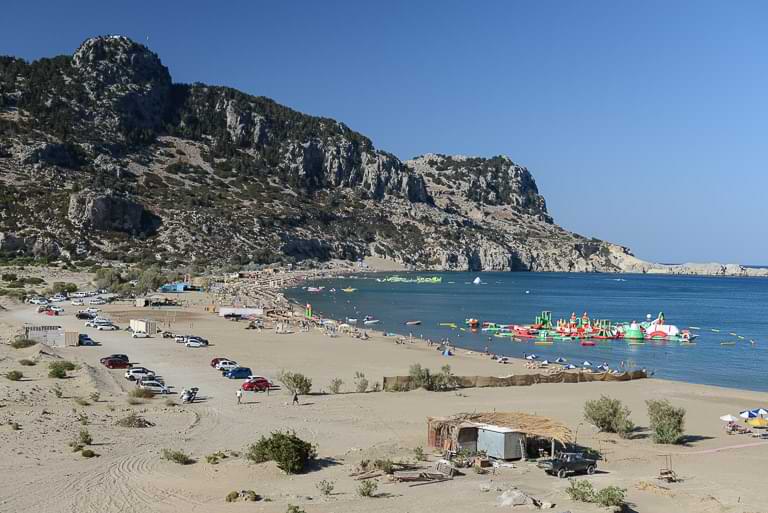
[245,128]
[105,212]
[128,84]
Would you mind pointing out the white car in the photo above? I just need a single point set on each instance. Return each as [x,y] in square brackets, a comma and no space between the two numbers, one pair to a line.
[79,294]
[180,339]
[56,308]
[58,298]
[77,302]
[98,321]
[225,365]
[194,343]
[154,386]
[38,301]
[97,301]
[92,310]
[107,327]
[137,373]
[139,334]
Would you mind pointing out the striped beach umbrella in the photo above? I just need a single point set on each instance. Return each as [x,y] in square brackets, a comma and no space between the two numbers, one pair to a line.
[560,359]
[586,364]
[749,414]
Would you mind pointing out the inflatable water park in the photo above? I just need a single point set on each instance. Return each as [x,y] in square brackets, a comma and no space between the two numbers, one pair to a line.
[584,329]
[417,279]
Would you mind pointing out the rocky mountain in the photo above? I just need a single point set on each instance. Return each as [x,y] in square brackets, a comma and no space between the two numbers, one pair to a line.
[103,156]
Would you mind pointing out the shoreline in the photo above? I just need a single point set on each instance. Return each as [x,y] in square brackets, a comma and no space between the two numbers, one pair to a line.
[471,352]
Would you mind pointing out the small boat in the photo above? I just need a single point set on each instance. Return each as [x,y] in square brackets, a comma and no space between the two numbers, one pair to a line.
[348,289]
[587,343]
[728,343]
[315,289]
[543,343]
[370,320]
[476,281]
[351,320]
[412,323]
[451,325]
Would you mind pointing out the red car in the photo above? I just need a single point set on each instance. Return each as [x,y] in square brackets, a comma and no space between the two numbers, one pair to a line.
[215,361]
[257,385]
[115,363]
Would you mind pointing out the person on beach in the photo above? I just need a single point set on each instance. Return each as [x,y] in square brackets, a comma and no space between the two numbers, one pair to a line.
[239,395]
[295,399]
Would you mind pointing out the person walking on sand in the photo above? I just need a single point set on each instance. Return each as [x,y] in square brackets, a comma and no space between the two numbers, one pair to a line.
[239,395]
[295,399]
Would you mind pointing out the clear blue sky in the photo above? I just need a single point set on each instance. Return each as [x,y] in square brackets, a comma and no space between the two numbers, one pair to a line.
[644,122]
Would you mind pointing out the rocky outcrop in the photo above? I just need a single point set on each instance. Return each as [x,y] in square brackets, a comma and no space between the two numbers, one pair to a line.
[108,212]
[127,85]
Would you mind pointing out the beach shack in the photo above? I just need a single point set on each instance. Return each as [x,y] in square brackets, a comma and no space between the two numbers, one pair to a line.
[53,336]
[147,326]
[500,435]
[173,288]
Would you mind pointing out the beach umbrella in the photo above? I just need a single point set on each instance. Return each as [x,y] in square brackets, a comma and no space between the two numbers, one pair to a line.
[586,364]
[603,367]
[758,423]
[761,411]
[748,414]
[560,359]
[570,366]
[729,418]
[531,357]
[545,362]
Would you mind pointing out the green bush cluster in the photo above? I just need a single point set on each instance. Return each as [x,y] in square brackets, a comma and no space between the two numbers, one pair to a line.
[295,383]
[421,377]
[179,457]
[667,421]
[291,453]
[609,415]
[14,375]
[583,491]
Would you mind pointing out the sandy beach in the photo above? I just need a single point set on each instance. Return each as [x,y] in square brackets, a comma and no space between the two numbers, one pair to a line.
[41,473]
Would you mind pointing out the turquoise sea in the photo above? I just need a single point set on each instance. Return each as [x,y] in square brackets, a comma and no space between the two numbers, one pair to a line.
[729,305]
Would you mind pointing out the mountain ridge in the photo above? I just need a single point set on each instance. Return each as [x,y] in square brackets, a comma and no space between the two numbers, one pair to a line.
[102,155]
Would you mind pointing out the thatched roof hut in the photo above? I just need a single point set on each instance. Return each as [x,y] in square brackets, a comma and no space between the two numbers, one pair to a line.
[444,432]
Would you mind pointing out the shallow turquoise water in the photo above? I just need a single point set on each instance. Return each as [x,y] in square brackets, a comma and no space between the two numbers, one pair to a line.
[738,305]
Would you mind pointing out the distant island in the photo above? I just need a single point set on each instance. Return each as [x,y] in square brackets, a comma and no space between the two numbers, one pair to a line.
[102,156]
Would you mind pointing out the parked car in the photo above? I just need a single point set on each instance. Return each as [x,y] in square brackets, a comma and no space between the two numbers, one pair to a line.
[92,310]
[154,386]
[57,298]
[86,340]
[142,379]
[258,384]
[238,373]
[215,361]
[56,309]
[195,343]
[226,365]
[115,363]
[135,373]
[568,463]
[38,301]
[85,315]
[139,334]
[107,327]
[97,301]
[116,356]
[77,302]
[97,321]
[78,294]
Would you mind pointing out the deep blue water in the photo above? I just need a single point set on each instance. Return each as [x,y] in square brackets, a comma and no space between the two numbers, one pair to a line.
[731,305]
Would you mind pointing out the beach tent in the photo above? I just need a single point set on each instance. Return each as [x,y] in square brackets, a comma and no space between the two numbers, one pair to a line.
[586,364]
[531,357]
[729,418]
[545,362]
[749,414]
[560,359]
[570,366]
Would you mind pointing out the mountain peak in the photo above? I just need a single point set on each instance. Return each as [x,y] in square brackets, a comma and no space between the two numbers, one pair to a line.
[119,59]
